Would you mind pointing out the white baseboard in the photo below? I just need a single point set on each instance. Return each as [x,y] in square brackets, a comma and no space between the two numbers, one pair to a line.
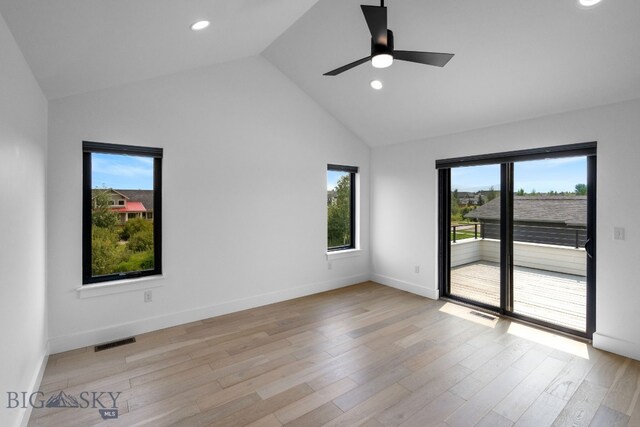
[616,345]
[35,385]
[115,332]
[406,286]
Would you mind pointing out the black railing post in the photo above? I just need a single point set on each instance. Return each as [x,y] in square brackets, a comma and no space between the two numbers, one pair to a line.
[475,229]
[577,242]
[454,233]
[482,231]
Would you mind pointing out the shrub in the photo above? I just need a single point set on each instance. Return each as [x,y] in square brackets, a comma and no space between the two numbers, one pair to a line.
[137,262]
[141,241]
[134,226]
[106,255]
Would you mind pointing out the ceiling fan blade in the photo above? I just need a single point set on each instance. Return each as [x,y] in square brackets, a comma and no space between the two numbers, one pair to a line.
[376,17]
[347,67]
[429,58]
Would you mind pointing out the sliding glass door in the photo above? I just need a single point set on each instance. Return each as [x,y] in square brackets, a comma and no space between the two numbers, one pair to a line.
[517,234]
[475,246]
[549,234]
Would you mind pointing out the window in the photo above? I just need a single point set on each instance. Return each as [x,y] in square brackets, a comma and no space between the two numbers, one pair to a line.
[341,207]
[119,242]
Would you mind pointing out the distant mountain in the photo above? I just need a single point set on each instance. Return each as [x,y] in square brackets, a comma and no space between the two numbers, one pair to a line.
[62,400]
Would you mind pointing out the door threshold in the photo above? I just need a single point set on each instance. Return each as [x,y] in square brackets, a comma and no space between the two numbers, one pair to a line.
[517,320]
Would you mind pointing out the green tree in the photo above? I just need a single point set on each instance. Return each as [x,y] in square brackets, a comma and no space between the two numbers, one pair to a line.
[581,189]
[102,215]
[492,194]
[339,214]
[455,204]
[520,192]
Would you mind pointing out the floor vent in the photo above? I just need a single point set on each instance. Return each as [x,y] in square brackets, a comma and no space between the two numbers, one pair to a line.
[112,344]
[484,316]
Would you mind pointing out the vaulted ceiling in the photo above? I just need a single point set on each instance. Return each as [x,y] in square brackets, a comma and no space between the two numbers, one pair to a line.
[75,46]
[513,59]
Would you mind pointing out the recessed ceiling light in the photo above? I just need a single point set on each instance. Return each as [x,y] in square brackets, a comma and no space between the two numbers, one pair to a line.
[588,3]
[376,84]
[382,60]
[200,25]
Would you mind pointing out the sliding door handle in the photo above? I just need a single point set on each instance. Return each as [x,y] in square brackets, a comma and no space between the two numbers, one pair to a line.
[588,246]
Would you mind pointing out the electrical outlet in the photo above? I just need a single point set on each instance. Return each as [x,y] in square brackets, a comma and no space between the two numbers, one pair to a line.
[618,233]
[417,269]
[148,296]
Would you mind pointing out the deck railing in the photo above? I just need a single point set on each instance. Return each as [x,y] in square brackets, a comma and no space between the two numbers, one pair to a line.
[560,236]
[461,227]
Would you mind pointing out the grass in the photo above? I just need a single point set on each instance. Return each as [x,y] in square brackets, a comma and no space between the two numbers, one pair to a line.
[463,234]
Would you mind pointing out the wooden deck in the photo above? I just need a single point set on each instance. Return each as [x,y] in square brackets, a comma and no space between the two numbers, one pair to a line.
[545,295]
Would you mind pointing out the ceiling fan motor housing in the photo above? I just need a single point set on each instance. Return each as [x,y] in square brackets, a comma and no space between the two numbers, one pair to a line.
[378,48]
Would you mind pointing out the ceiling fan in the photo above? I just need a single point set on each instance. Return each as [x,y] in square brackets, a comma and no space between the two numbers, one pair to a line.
[382,51]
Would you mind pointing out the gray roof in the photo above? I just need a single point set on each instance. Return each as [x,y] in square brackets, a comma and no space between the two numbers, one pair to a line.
[569,210]
[143,196]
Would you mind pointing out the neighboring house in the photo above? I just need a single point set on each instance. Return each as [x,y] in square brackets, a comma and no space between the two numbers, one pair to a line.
[471,199]
[131,204]
[556,220]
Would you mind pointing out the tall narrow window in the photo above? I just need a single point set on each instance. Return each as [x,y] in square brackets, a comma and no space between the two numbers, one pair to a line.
[122,199]
[341,207]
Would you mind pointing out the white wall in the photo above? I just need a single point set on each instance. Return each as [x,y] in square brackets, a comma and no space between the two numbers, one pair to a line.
[244,197]
[23,155]
[404,211]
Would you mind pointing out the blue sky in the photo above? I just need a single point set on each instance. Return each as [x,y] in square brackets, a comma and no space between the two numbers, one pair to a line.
[541,175]
[333,177]
[122,172]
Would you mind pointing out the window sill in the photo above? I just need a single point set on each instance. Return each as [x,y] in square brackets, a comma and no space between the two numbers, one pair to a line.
[346,253]
[119,286]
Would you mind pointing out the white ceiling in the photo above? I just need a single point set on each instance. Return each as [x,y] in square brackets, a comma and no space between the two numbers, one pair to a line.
[75,46]
[515,59]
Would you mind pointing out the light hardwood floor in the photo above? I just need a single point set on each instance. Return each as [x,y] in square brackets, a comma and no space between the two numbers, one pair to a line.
[363,355]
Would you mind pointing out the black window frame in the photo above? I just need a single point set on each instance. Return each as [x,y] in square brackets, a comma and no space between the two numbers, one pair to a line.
[89,147]
[352,170]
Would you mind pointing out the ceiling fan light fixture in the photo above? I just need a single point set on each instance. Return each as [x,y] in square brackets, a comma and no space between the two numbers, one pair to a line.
[200,25]
[588,3]
[382,60]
